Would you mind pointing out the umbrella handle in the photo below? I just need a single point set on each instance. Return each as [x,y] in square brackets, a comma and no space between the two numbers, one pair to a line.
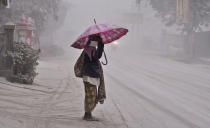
[94,20]
[105,59]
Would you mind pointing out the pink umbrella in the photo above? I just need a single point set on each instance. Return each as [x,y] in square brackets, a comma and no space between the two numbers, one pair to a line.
[108,33]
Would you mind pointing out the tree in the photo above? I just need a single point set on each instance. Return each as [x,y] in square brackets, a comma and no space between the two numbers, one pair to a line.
[199,13]
[199,16]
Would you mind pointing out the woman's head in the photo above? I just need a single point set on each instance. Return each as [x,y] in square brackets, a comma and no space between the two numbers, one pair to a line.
[95,37]
[94,40]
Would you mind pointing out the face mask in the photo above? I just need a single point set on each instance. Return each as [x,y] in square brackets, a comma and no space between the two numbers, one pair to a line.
[93,43]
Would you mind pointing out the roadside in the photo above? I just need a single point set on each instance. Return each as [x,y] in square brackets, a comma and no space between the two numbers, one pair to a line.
[55,100]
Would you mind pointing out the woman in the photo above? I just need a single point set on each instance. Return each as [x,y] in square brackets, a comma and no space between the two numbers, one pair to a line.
[92,75]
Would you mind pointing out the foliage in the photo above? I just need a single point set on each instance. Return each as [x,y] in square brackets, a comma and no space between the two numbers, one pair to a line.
[24,62]
[199,13]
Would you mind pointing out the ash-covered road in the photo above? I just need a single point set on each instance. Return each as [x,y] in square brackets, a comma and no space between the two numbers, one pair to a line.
[155,92]
[147,92]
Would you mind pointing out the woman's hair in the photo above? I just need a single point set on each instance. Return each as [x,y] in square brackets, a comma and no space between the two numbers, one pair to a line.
[95,37]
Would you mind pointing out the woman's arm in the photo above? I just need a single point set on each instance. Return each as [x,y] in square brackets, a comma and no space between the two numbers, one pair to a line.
[99,51]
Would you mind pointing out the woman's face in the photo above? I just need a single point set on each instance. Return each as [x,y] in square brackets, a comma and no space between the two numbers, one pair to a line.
[94,38]
[93,43]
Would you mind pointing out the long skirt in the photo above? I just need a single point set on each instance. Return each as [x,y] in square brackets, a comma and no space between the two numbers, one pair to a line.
[90,97]
[94,95]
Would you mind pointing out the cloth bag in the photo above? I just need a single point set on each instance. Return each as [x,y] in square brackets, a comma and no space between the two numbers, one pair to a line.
[79,65]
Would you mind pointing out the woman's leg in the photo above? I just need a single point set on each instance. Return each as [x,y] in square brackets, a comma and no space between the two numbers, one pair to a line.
[90,98]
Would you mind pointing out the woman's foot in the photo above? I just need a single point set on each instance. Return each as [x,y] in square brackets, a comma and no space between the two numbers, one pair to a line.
[86,116]
[89,117]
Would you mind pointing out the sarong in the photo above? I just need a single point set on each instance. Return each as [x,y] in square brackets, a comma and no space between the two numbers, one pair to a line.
[90,97]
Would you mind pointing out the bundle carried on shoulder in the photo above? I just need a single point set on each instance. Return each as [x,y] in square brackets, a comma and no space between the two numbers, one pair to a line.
[79,65]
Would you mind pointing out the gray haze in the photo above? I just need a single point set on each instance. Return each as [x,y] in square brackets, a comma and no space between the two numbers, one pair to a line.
[119,12]
[157,76]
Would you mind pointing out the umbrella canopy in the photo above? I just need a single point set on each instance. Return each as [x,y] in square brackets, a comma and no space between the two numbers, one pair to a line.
[107,32]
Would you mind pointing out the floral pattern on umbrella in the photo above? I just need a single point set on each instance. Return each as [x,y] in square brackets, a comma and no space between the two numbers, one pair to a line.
[108,33]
